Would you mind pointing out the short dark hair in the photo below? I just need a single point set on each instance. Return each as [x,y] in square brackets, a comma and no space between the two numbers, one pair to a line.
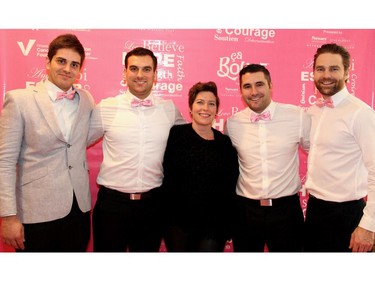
[253,68]
[202,87]
[66,41]
[334,49]
[140,51]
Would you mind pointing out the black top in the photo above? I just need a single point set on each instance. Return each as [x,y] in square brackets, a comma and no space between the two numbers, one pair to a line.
[200,179]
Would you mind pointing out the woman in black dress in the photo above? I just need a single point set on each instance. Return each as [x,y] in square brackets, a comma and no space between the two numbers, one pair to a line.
[200,175]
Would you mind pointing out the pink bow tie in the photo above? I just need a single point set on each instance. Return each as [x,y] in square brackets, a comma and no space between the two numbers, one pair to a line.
[68,95]
[135,103]
[324,102]
[264,116]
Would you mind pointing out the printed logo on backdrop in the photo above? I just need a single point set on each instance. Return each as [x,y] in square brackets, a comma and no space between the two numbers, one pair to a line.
[303,195]
[245,35]
[307,93]
[229,67]
[26,49]
[171,65]
[38,72]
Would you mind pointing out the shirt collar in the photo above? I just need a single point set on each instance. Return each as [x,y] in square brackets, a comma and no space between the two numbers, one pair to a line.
[340,96]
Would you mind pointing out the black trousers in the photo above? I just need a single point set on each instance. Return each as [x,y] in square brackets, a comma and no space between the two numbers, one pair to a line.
[329,225]
[121,224]
[179,239]
[69,234]
[279,226]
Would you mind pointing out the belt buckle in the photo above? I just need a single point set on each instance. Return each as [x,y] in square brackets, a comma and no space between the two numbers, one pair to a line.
[135,196]
[266,202]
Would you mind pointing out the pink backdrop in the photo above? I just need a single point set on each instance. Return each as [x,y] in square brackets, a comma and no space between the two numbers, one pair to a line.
[187,56]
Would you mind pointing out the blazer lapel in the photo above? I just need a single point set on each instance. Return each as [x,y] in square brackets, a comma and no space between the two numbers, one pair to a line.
[81,109]
[45,105]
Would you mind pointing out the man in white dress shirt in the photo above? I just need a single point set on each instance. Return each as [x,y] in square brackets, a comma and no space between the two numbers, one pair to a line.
[135,126]
[341,163]
[267,136]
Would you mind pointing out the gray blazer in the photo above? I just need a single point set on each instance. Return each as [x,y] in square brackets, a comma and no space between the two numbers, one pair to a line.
[39,169]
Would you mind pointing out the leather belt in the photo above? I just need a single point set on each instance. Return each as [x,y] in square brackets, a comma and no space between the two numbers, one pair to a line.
[270,202]
[138,196]
[332,203]
[127,196]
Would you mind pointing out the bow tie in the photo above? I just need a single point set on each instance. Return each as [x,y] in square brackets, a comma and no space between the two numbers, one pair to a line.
[68,95]
[264,116]
[324,102]
[135,103]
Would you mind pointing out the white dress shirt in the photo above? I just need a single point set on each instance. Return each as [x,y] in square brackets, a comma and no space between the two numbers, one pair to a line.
[341,163]
[268,151]
[66,110]
[134,141]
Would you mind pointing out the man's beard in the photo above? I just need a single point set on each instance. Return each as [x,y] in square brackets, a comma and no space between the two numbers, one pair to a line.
[328,90]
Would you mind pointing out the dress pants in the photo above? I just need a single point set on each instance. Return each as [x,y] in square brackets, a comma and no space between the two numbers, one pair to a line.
[69,234]
[329,225]
[121,224]
[185,239]
[279,227]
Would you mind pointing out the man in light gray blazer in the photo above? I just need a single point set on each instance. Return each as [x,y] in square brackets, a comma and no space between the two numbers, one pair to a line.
[45,198]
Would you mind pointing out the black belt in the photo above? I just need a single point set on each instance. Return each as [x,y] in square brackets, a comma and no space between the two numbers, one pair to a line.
[332,203]
[270,202]
[124,195]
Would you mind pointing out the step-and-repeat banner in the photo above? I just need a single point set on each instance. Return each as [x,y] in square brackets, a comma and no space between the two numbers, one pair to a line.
[186,56]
